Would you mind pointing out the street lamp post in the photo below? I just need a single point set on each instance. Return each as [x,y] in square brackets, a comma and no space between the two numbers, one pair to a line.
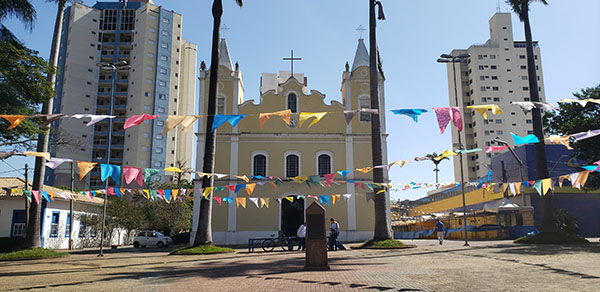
[446,58]
[114,67]
[497,140]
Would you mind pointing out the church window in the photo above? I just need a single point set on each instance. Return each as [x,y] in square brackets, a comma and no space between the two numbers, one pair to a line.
[364,102]
[221,105]
[324,161]
[259,165]
[292,165]
[292,102]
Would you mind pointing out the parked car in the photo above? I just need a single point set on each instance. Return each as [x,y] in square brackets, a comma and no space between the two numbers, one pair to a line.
[151,238]
[181,238]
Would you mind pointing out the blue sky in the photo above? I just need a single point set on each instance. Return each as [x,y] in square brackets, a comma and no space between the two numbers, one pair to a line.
[415,33]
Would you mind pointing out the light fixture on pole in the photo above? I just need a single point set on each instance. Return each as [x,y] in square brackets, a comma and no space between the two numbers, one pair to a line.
[497,140]
[114,67]
[447,58]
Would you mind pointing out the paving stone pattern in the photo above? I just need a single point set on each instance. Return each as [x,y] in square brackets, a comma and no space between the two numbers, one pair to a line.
[484,266]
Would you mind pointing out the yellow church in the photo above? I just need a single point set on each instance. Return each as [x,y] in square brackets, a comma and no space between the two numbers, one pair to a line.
[283,150]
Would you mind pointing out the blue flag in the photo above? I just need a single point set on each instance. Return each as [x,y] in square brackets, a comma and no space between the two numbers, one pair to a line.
[113,171]
[324,200]
[414,113]
[524,140]
[221,119]
[343,173]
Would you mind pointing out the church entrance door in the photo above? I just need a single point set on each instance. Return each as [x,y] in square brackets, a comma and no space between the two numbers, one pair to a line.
[292,215]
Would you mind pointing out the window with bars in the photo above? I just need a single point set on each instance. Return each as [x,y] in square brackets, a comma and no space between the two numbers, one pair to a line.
[292,165]
[54,224]
[220,105]
[292,102]
[109,20]
[260,165]
[324,164]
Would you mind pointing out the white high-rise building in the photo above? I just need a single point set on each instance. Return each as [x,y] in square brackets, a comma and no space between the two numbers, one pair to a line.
[161,81]
[496,73]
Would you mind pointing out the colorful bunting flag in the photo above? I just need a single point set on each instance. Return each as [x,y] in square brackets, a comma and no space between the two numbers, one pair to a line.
[172,169]
[307,116]
[84,168]
[93,118]
[113,171]
[45,155]
[138,119]
[255,201]
[524,140]
[264,202]
[53,162]
[324,200]
[413,113]
[218,199]
[582,102]
[14,120]
[131,173]
[447,114]
[241,202]
[221,119]
[495,148]
[284,115]
[483,109]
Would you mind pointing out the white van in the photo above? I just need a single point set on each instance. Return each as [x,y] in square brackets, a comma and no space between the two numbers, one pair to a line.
[151,238]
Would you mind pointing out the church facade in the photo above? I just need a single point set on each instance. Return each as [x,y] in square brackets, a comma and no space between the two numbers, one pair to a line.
[288,151]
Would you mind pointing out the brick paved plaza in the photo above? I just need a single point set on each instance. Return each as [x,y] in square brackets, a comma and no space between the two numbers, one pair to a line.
[485,266]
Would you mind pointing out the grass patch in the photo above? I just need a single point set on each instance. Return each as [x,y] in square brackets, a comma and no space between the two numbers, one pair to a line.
[552,238]
[383,244]
[202,249]
[29,254]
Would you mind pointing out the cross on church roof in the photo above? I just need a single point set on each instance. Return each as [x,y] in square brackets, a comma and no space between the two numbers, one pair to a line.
[292,59]
[360,30]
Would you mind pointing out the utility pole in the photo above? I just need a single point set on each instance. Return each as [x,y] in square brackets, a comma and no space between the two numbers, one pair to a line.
[504,179]
[71,208]
[26,200]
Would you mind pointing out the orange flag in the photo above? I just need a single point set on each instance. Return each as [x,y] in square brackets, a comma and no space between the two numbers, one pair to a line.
[174,193]
[14,120]
[241,201]
[250,188]
[84,168]
[264,117]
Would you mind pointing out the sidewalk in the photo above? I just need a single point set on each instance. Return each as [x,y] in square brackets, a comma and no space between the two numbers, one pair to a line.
[484,266]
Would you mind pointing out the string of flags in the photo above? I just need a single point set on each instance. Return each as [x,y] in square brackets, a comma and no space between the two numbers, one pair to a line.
[444,116]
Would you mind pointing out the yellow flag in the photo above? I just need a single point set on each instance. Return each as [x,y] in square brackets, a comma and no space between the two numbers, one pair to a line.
[446,154]
[250,188]
[401,163]
[307,116]
[14,120]
[173,169]
[335,198]
[546,185]
[365,169]
[564,140]
[243,177]
[483,109]
[291,199]
[147,194]
[241,202]
[44,155]
[264,202]
[84,168]
[171,122]
[174,193]
[300,179]
[207,192]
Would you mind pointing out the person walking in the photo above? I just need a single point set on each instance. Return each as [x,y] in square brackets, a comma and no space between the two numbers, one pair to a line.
[439,227]
[334,231]
[301,233]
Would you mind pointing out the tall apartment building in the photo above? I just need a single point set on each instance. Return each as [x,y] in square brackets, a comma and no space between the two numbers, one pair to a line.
[161,80]
[496,73]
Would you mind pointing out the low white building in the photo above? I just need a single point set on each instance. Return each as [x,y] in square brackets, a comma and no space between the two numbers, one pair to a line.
[55,217]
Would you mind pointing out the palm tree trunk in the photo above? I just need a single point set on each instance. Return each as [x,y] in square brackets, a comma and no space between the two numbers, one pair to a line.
[383,226]
[540,147]
[33,236]
[204,229]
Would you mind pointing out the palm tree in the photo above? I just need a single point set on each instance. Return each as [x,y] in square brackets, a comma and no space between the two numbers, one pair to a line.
[33,226]
[521,8]
[20,9]
[432,157]
[204,229]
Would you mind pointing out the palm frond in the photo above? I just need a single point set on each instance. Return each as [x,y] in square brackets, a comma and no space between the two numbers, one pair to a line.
[517,6]
[240,3]
[21,9]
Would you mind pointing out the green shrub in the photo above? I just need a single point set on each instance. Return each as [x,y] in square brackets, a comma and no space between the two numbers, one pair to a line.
[34,253]
[202,249]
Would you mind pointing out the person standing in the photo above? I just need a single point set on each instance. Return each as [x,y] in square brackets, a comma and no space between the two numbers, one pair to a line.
[439,227]
[301,233]
[334,231]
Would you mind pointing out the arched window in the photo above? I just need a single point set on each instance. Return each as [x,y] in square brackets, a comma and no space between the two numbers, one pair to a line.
[259,165]
[292,102]
[324,161]
[292,165]
[364,102]
[220,105]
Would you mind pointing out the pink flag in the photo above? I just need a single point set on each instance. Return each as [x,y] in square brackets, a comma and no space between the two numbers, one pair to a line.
[329,178]
[443,117]
[161,194]
[131,173]
[495,148]
[314,197]
[89,194]
[456,118]
[36,196]
[359,184]
[111,191]
[232,187]
[218,199]
[138,119]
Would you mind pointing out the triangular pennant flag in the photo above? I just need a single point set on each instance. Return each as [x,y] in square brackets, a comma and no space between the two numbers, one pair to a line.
[365,169]
[264,202]
[581,179]
[546,185]
[239,187]
[171,122]
[250,188]
[221,119]
[307,116]
[346,197]
[44,155]
[131,173]
[241,202]
[291,199]
[207,192]
[255,201]
[343,173]
[172,169]
[109,170]
[168,195]
[175,192]
[324,200]
[27,194]
[243,177]
[14,120]
[537,185]
[149,172]
[446,154]
[524,140]
[89,195]
[36,196]
[53,163]
[335,198]
[285,115]
[315,179]
[483,109]
[232,188]
[138,119]
[329,178]
[218,199]
[413,113]
[46,196]
[349,115]
[84,168]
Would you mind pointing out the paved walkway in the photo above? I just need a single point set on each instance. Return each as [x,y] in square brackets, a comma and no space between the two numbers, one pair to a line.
[484,266]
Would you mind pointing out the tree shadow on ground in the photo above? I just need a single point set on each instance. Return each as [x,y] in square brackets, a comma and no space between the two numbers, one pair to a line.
[548,249]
